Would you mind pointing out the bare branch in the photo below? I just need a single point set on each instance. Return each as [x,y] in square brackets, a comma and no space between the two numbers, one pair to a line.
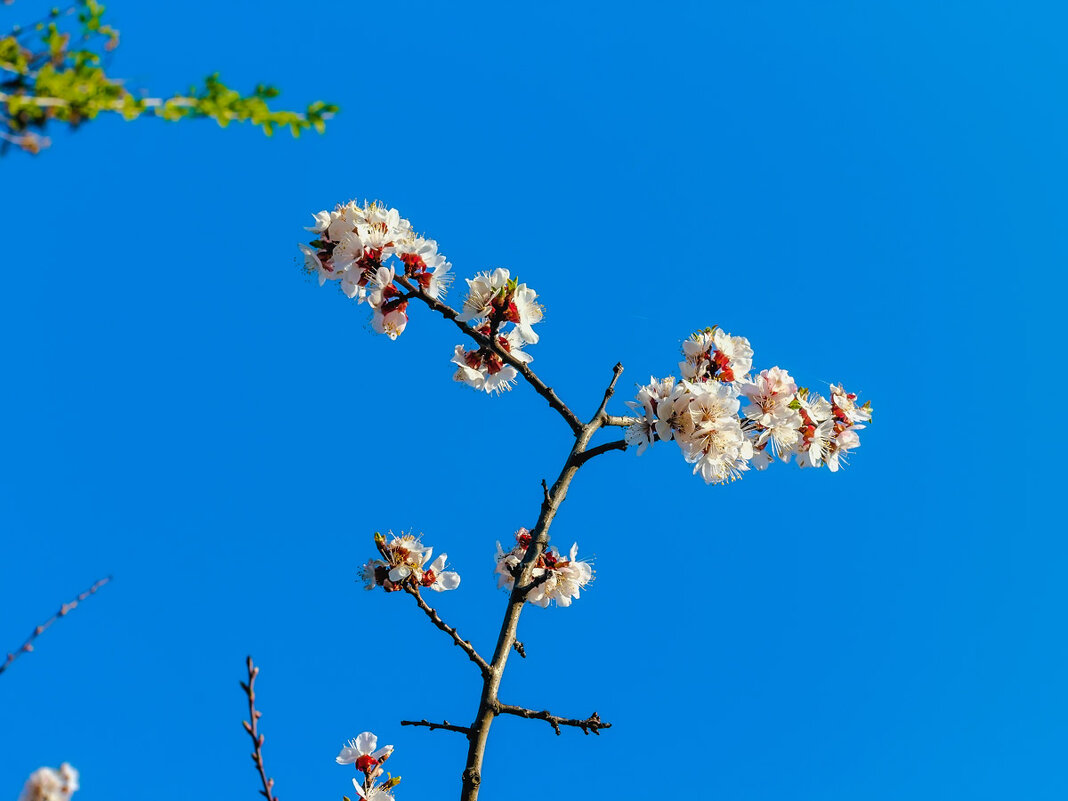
[539,386]
[435,618]
[617,445]
[617,371]
[592,723]
[253,732]
[27,646]
[615,420]
[489,706]
[443,725]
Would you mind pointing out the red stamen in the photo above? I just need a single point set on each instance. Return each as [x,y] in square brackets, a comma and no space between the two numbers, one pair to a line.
[493,362]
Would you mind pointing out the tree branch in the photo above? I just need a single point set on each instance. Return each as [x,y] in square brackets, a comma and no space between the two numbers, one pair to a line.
[531,378]
[617,445]
[435,618]
[592,723]
[615,420]
[443,725]
[251,728]
[27,646]
[489,705]
[617,371]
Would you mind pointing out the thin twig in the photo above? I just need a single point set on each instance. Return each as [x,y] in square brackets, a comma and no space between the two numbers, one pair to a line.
[435,618]
[539,386]
[585,456]
[616,420]
[443,725]
[257,738]
[592,723]
[617,371]
[27,646]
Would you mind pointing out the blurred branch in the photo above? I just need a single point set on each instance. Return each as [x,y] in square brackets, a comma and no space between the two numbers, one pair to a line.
[37,632]
[253,732]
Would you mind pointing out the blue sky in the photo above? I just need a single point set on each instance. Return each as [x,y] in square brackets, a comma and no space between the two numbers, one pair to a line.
[869,193]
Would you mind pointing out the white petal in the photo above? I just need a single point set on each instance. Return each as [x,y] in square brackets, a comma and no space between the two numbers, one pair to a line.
[366,742]
[449,580]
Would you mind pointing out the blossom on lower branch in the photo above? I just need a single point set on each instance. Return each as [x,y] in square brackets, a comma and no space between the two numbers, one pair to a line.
[407,561]
[483,368]
[361,752]
[554,578]
[46,784]
[703,413]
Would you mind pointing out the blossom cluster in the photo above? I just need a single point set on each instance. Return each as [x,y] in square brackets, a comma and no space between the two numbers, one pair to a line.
[504,311]
[46,784]
[703,413]
[407,562]
[378,259]
[554,578]
[368,760]
[359,246]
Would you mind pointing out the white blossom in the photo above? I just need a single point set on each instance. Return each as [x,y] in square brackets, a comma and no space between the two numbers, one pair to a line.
[709,431]
[361,752]
[408,561]
[500,299]
[314,264]
[376,793]
[322,222]
[776,424]
[482,290]
[555,578]
[642,432]
[46,784]
[713,354]
[435,577]
[485,370]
